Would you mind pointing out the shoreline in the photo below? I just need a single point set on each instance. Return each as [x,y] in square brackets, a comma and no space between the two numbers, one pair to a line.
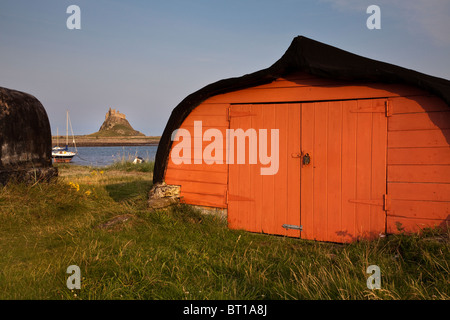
[84,141]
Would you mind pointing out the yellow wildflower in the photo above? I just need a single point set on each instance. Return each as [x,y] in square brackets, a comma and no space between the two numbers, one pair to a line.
[75,186]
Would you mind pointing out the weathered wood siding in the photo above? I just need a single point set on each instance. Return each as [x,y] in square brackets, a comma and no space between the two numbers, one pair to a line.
[418,151]
[418,163]
[202,184]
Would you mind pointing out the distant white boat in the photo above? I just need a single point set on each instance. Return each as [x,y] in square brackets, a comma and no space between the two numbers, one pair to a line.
[138,160]
[62,154]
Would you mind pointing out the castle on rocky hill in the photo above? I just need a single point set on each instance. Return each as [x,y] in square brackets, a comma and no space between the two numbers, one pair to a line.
[114,113]
[116,124]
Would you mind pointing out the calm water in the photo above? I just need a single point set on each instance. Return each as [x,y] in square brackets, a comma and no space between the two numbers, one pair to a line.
[103,156]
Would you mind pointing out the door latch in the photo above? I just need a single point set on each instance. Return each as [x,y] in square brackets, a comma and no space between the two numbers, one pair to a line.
[291,226]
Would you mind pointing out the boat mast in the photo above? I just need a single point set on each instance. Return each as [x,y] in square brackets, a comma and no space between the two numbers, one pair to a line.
[73,137]
[67,129]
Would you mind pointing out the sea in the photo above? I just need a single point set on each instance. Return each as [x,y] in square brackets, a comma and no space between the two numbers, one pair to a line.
[104,156]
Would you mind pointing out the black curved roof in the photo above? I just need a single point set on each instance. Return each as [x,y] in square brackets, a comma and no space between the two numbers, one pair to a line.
[305,55]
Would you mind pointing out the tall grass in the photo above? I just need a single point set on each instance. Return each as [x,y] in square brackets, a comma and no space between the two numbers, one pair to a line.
[100,222]
[146,166]
[124,162]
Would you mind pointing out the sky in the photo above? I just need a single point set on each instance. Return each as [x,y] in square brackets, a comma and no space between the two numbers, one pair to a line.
[143,57]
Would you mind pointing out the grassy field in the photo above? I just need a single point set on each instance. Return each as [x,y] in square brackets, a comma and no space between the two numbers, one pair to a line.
[98,220]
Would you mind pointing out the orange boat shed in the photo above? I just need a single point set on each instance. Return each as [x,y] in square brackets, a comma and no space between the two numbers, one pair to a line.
[363,147]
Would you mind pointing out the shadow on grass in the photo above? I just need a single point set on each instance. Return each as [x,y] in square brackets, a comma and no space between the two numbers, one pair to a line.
[128,190]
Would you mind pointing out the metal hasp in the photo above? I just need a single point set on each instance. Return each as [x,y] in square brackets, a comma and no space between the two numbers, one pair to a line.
[306,159]
[291,226]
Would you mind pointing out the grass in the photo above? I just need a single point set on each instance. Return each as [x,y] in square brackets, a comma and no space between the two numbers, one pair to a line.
[98,220]
[130,166]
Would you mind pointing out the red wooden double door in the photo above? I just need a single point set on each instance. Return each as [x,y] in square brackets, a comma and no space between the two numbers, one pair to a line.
[331,178]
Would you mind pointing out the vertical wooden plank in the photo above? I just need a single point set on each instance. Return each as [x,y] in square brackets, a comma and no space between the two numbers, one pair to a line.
[268,182]
[320,188]
[307,172]
[333,175]
[293,168]
[231,205]
[280,179]
[379,174]
[257,211]
[248,172]
[363,168]
[247,177]
[235,186]
[234,212]
[349,138]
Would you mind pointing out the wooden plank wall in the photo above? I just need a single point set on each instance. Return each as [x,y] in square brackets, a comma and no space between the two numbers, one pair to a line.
[263,203]
[202,184]
[342,190]
[418,163]
[418,145]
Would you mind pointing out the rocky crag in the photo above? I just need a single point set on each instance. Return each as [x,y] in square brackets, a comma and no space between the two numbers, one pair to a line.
[116,124]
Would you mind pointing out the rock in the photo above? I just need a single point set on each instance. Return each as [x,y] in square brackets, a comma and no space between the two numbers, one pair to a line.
[116,124]
[25,139]
[116,222]
[163,195]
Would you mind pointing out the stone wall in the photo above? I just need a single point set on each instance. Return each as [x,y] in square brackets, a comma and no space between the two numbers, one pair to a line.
[163,195]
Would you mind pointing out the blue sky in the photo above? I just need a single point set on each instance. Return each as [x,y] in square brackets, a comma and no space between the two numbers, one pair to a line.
[144,57]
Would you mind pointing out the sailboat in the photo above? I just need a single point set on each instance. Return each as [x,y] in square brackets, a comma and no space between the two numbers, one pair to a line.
[62,154]
[57,147]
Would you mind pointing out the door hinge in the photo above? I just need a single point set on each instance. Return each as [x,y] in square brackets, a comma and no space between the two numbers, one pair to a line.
[237,113]
[368,202]
[385,202]
[290,226]
[388,105]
